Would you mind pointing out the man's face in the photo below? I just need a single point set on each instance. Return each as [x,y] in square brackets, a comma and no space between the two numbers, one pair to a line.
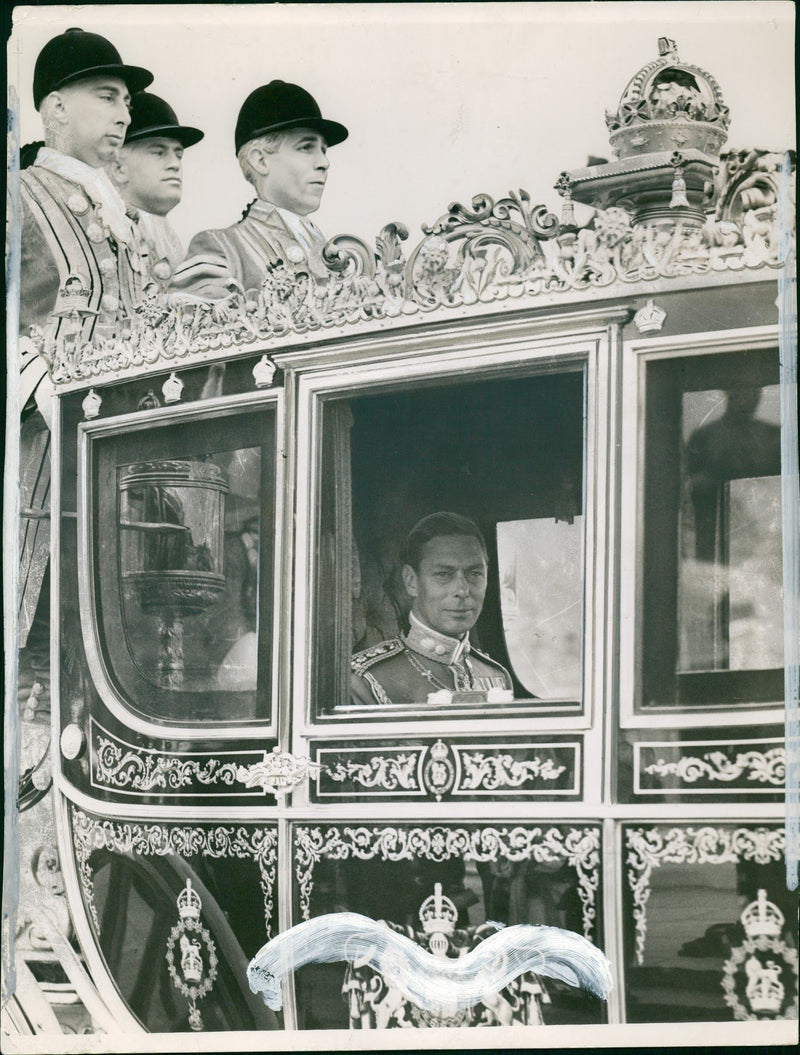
[154,171]
[97,112]
[297,172]
[449,586]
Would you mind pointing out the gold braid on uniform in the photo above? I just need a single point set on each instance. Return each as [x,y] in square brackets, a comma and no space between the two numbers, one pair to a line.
[377,689]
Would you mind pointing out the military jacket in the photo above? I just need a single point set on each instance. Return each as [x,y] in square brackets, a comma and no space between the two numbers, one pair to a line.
[220,261]
[415,666]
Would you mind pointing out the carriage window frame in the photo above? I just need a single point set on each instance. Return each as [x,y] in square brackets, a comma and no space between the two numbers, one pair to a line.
[125,710]
[497,359]
[637,354]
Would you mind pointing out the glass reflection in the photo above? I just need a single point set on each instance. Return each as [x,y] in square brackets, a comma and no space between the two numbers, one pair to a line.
[715,936]
[730,571]
[540,566]
[189,544]
[136,900]
[709,600]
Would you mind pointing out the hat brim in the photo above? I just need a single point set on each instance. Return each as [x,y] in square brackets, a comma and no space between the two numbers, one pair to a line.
[185,135]
[333,132]
[135,77]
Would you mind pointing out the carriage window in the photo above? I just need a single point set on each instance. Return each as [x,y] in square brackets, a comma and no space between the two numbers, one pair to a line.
[183,566]
[711,591]
[481,604]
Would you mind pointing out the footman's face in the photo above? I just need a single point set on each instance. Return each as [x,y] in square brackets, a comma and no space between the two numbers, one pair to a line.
[154,169]
[298,171]
[98,113]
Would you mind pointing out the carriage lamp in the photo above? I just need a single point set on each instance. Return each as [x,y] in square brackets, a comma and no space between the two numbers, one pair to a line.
[171,524]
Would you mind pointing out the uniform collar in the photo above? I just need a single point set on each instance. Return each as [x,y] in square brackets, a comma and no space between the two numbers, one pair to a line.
[300,227]
[432,645]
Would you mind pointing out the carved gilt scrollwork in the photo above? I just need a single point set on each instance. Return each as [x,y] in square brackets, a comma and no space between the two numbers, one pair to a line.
[121,766]
[491,772]
[649,848]
[486,252]
[385,772]
[579,847]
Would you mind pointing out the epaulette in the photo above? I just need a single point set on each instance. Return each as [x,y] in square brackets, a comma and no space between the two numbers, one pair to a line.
[368,657]
[487,659]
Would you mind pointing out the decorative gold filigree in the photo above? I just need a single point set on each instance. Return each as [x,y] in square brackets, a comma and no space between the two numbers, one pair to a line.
[763,767]
[490,772]
[484,253]
[216,841]
[385,772]
[115,767]
[579,847]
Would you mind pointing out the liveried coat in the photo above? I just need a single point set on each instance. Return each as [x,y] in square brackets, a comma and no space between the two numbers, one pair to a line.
[220,261]
[78,275]
[83,268]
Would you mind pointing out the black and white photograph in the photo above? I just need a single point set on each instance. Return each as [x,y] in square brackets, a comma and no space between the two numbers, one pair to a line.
[400,510]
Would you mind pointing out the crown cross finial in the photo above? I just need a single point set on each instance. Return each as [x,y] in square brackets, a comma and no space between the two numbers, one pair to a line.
[189,903]
[761,917]
[438,916]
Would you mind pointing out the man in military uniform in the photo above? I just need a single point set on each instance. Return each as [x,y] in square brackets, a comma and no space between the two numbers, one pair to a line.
[444,573]
[281,143]
[148,174]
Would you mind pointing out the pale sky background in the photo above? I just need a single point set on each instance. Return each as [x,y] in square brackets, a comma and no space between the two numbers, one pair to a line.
[443,101]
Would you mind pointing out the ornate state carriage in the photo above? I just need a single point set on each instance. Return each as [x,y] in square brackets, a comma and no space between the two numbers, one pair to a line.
[602,395]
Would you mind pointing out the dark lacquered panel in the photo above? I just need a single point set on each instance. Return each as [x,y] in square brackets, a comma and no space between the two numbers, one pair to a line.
[693,765]
[710,929]
[177,911]
[449,768]
[486,875]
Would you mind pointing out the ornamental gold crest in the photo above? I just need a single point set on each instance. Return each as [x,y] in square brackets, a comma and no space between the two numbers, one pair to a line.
[190,944]
[760,976]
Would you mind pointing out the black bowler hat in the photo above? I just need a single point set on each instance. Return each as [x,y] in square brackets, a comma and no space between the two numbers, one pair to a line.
[76,54]
[151,117]
[277,107]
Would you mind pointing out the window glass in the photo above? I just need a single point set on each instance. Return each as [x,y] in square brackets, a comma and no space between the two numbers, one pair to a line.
[474,897]
[541,578]
[157,961]
[460,627]
[711,591]
[184,566]
[728,950]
